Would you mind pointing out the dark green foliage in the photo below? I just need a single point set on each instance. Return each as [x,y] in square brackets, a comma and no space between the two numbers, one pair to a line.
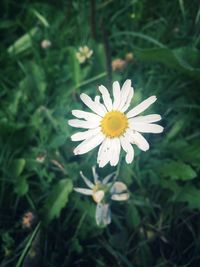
[159,225]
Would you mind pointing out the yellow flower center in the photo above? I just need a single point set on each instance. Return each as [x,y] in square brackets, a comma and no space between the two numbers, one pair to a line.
[114,124]
[98,192]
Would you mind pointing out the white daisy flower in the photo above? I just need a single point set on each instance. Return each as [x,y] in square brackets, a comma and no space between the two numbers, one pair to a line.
[102,193]
[111,126]
[83,54]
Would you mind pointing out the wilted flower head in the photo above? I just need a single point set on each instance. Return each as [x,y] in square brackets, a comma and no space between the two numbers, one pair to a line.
[57,164]
[45,44]
[129,57]
[102,193]
[83,54]
[28,219]
[111,127]
[118,64]
[41,158]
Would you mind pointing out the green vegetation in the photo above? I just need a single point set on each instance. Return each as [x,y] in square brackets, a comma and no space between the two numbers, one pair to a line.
[40,84]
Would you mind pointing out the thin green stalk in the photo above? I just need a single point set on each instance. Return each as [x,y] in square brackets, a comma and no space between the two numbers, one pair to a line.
[28,245]
[101,75]
[30,201]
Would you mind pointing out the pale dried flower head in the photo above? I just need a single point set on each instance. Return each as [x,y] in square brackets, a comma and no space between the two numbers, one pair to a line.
[176,29]
[129,57]
[83,54]
[103,191]
[41,158]
[28,219]
[45,44]
[118,64]
[57,164]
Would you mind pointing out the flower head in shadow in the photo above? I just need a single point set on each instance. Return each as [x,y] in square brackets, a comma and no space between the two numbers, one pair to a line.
[103,192]
[84,53]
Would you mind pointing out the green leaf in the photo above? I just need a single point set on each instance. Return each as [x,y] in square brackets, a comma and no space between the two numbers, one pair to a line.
[191,195]
[126,173]
[8,127]
[58,141]
[34,84]
[177,170]
[15,170]
[186,193]
[57,199]
[41,18]
[183,59]
[6,24]
[188,152]
[175,130]
[16,167]
[99,56]
[191,152]
[146,256]
[74,67]
[21,185]
[133,216]
[23,43]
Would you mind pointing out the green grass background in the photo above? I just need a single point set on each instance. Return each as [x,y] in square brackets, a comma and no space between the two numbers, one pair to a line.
[159,225]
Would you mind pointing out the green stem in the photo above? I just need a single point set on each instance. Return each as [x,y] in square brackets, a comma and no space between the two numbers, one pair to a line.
[101,75]
[28,245]
[30,201]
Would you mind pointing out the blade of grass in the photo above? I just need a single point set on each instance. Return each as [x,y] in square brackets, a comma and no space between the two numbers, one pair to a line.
[139,35]
[28,245]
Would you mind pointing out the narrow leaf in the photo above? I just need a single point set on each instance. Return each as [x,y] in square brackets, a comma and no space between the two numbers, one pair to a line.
[177,170]
[57,199]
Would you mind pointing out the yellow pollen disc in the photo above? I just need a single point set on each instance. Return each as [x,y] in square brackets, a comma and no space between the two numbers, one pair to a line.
[96,188]
[114,124]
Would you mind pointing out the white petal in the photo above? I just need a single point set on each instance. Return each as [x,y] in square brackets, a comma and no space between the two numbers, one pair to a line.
[86,180]
[83,191]
[93,105]
[140,141]
[116,147]
[147,128]
[95,175]
[89,144]
[103,215]
[83,124]
[85,135]
[128,149]
[129,135]
[108,177]
[102,147]
[98,196]
[106,97]
[125,93]
[86,115]
[129,98]
[118,188]
[119,191]
[116,95]
[97,99]
[147,119]
[120,197]
[104,154]
[141,107]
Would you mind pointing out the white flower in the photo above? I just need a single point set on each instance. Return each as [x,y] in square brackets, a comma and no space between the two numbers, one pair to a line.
[111,127]
[102,192]
[83,54]
[45,44]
